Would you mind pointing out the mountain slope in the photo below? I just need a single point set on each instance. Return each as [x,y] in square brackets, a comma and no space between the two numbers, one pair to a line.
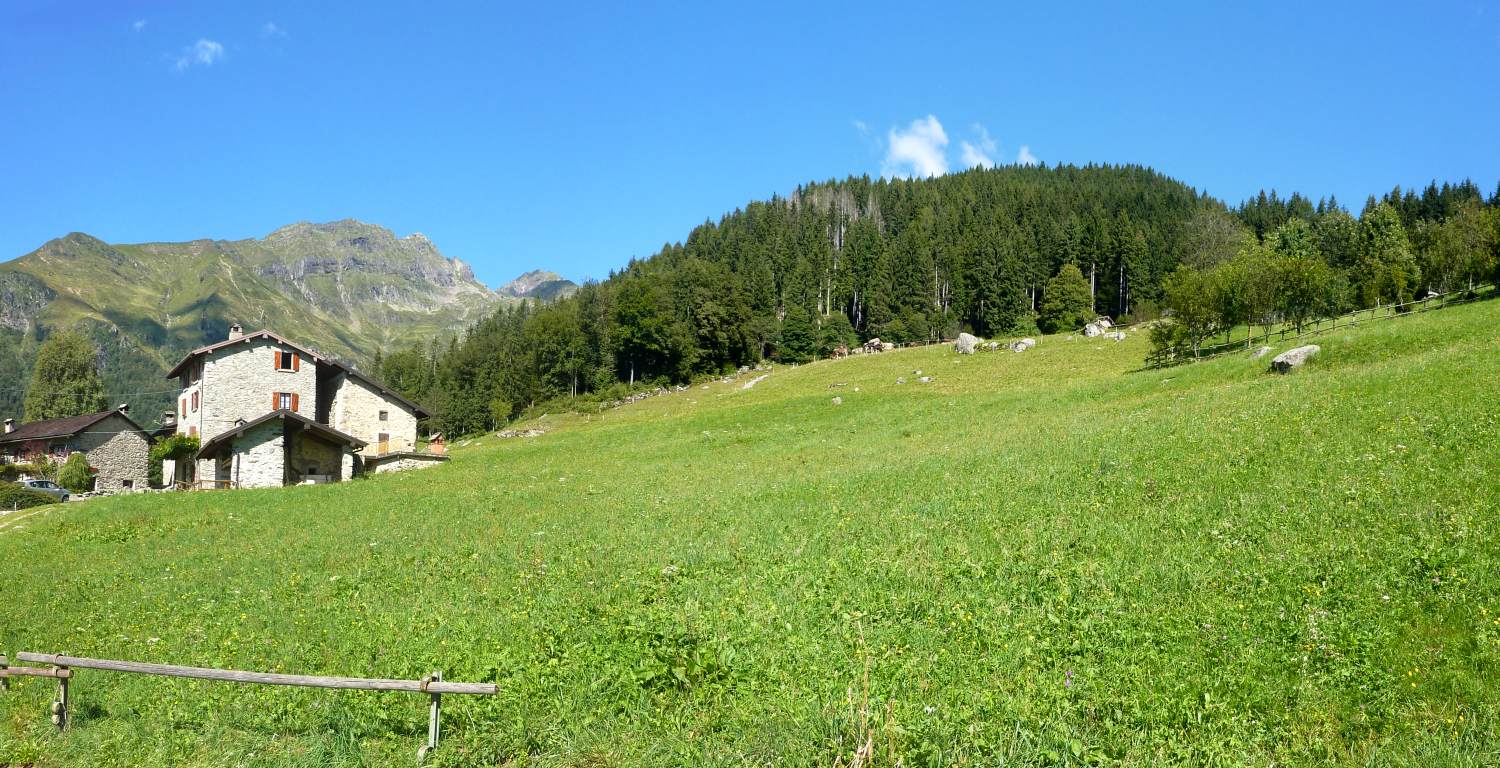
[1050,558]
[347,288]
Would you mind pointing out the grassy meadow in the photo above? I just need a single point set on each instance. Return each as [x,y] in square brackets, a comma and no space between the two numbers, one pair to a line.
[1044,558]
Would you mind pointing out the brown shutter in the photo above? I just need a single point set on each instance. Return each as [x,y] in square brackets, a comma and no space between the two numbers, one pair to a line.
[183,405]
[275,401]
[294,401]
[277,354]
[296,361]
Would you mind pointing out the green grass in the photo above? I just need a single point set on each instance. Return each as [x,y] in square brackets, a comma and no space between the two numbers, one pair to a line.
[1046,558]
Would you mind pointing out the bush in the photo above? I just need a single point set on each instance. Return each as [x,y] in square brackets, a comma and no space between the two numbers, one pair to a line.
[14,497]
[76,475]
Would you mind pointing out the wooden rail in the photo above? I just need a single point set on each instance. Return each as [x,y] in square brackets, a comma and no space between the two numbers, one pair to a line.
[62,667]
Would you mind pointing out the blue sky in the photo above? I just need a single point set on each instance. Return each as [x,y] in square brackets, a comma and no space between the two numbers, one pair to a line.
[574,137]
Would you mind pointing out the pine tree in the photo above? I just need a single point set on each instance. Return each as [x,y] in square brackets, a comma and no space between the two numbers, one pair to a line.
[65,381]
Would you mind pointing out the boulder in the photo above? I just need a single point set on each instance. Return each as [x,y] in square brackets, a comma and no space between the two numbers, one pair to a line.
[1023,345]
[1260,352]
[966,344]
[992,345]
[874,345]
[1286,361]
[1094,329]
[886,346]
[1116,335]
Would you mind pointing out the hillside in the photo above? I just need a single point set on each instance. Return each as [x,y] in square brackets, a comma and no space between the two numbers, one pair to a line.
[1048,558]
[346,287]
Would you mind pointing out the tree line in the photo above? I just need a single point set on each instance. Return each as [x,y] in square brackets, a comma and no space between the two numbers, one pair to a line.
[999,251]
[1290,262]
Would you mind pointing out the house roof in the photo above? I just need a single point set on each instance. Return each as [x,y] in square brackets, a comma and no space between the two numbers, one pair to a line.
[322,430]
[249,337]
[352,372]
[313,355]
[65,427]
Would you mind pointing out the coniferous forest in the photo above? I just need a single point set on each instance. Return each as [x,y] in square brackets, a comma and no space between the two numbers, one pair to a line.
[839,262]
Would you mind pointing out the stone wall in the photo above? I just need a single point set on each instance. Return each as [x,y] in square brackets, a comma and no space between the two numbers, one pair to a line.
[356,412]
[260,457]
[312,456]
[238,383]
[119,452]
[403,463]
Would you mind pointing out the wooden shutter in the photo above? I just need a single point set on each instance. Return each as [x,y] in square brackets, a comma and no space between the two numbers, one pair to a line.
[183,405]
[275,401]
[277,355]
[296,362]
[294,401]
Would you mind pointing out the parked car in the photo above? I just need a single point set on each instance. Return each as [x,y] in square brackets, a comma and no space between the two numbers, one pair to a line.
[46,486]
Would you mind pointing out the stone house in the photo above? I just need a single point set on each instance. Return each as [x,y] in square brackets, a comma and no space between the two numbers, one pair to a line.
[118,450]
[271,412]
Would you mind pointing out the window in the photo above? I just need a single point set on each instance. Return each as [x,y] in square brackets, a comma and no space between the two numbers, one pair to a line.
[286,361]
[192,431]
[385,415]
[127,484]
[284,401]
[183,405]
[195,402]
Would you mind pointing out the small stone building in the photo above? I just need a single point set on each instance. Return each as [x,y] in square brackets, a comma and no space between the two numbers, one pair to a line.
[271,412]
[118,450]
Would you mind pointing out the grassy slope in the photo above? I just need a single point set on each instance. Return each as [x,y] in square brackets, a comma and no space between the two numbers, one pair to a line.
[1047,558]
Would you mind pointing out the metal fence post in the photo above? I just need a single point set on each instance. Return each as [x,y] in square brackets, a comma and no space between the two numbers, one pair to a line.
[434,718]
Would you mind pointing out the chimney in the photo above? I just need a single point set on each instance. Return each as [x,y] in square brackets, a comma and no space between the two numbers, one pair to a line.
[124,409]
[236,331]
[10,426]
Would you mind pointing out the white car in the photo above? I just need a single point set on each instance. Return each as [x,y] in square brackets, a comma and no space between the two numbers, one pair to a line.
[46,486]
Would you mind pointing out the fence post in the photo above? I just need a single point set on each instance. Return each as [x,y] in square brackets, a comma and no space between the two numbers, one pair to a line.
[60,707]
[434,718]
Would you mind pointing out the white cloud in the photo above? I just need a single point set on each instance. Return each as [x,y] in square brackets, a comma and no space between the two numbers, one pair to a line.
[271,29]
[204,52]
[139,25]
[1024,157]
[981,153]
[859,125]
[920,150]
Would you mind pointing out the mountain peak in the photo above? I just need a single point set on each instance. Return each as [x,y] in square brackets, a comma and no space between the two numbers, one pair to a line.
[538,284]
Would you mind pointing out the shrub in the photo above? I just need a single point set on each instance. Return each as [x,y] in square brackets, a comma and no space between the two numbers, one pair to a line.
[14,497]
[76,475]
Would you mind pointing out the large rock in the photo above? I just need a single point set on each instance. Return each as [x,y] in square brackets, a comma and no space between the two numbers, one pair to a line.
[1292,358]
[1116,335]
[966,344]
[1023,344]
[1095,328]
[1260,352]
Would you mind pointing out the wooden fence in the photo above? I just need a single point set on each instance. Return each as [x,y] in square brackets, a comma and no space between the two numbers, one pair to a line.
[1167,357]
[61,669]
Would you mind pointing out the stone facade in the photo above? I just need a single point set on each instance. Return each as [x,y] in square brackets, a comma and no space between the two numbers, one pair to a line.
[238,383]
[228,385]
[356,411]
[312,458]
[259,458]
[119,451]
